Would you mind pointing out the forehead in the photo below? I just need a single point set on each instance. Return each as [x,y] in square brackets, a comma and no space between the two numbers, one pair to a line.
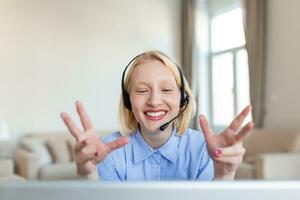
[151,71]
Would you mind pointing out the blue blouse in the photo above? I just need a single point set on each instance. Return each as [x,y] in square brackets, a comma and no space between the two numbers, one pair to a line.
[182,157]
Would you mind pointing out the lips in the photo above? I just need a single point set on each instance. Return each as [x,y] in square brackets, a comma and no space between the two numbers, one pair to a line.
[155,115]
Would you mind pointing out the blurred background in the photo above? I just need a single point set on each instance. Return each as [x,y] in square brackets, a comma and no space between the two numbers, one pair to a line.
[233,53]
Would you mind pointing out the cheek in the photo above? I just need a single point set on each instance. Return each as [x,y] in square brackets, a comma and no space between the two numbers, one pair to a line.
[174,101]
[137,102]
[137,105]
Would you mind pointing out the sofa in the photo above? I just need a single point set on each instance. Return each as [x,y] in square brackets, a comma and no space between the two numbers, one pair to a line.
[47,156]
[271,155]
[7,171]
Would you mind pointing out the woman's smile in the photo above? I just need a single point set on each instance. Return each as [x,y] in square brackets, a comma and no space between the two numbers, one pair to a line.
[155,115]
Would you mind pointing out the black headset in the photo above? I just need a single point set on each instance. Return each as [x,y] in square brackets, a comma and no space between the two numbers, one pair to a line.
[184,98]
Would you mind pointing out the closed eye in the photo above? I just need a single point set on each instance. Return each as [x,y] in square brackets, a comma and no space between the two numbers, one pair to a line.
[167,90]
[141,91]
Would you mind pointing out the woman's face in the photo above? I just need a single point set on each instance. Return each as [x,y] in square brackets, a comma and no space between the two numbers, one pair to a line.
[154,95]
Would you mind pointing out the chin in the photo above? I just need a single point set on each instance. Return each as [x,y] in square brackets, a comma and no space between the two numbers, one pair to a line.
[152,128]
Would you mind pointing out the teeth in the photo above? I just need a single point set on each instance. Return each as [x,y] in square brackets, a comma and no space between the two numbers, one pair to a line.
[155,114]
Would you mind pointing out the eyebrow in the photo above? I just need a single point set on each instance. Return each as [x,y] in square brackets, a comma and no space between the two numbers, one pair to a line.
[162,81]
[165,81]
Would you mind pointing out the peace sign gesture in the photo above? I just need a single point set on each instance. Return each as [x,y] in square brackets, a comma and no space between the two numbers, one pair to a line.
[226,148]
[88,149]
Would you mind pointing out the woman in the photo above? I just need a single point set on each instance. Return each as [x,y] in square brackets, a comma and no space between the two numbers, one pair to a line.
[155,109]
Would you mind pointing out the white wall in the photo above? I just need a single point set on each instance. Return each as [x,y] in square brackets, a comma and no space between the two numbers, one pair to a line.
[53,52]
[283,64]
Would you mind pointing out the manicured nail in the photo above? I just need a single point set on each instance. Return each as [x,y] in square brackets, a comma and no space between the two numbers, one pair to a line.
[217,152]
[96,154]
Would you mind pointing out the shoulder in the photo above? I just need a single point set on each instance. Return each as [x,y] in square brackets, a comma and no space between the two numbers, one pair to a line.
[193,139]
[111,137]
[191,135]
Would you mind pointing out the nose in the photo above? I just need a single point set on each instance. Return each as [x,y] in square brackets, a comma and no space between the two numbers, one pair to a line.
[155,99]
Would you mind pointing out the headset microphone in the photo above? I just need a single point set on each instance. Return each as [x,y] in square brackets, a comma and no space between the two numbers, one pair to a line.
[164,126]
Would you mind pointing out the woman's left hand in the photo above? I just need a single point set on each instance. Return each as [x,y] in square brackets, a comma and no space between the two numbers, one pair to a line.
[226,149]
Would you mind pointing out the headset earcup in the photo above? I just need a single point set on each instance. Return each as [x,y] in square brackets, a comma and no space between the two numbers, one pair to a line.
[184,100]
[126,101]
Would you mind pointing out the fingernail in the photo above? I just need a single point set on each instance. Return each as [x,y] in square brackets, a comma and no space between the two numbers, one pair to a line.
[96,154]
[84,142]
[217,152]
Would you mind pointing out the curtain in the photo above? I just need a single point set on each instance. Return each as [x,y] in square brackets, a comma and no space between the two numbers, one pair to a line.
[195,44]
[188,37]
[254,19]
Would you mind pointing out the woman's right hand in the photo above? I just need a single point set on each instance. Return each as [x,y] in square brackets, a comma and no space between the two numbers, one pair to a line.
[88,149]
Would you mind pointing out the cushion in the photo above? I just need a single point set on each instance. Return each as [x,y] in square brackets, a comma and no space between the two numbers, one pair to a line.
[59,171]
[270,141]
[245,171]
[59,150]
[71,144]
[6,167]
[39,148]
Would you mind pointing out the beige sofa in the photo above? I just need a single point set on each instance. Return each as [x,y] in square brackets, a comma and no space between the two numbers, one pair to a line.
[271,155]
[47,156]
[7,171]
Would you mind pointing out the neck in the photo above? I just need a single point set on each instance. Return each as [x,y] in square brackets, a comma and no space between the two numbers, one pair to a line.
[156,139]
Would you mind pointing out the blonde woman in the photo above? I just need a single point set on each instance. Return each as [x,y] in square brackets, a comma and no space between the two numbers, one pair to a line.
[154,142]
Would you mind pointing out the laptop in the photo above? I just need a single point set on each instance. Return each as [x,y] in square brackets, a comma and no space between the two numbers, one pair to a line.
[216,190]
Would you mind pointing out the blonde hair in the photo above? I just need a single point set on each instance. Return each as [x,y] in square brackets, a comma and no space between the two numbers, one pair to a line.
[127,121]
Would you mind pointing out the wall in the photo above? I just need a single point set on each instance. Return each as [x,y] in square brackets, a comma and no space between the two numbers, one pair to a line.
[55,52]
[282,64]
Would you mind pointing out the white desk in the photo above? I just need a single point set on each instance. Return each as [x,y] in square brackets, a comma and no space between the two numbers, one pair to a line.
[252,190]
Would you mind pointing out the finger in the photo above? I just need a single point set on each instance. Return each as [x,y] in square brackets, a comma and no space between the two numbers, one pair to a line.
[244,132]
[234,150]
[207,131]
[84,118]
[99,157]
[116,144]
[79,146]
[73,129]
[233,160]
[104,149]
[94,137]
[91,133]
[84,158]
[237,122]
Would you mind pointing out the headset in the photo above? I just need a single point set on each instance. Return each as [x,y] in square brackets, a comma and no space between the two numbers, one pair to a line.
[184,98]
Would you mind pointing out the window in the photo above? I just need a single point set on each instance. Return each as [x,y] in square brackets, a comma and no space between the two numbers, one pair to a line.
[229,78]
